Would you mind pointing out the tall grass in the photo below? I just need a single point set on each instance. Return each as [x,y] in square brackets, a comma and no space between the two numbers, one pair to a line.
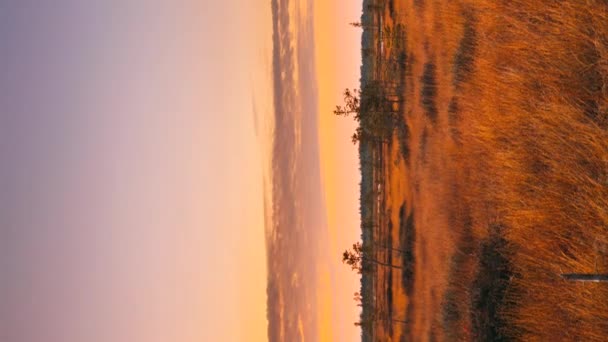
[505,146]
[537,111]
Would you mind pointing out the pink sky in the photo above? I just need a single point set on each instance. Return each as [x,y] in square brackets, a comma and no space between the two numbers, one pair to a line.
[134,167]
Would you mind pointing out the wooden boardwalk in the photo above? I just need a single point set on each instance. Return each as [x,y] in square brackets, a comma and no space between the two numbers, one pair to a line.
[595,278]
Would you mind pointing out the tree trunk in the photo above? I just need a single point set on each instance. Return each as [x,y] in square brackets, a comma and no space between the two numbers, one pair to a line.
[382,263]
[391,248]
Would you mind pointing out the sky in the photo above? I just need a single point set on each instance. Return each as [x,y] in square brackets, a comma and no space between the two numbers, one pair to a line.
[314,176]
[136,144]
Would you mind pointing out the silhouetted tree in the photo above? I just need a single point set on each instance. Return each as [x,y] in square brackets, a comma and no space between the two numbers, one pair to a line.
[351,104]
[376,110]
[358,24]
[356,258]
[377,317]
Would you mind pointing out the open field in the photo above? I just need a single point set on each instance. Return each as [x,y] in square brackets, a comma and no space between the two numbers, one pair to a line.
[494,180]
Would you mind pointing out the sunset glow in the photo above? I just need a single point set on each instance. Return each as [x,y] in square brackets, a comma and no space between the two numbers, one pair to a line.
[174,171]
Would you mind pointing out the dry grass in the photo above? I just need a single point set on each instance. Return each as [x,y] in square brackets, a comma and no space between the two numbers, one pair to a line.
[506,174]
[537,109]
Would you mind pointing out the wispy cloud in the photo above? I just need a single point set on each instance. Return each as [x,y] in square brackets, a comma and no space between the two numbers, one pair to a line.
[298,225]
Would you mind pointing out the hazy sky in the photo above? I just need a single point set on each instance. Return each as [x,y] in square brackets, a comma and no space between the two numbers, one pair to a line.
[133,143]
[309,294]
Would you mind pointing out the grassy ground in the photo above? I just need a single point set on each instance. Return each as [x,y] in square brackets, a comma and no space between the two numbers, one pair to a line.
[496,181]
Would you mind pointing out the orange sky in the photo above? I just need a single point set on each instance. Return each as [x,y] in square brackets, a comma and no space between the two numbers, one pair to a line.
[338,61]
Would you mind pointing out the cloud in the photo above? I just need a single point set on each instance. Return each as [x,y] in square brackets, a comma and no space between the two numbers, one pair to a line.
[254,116]
[296,232]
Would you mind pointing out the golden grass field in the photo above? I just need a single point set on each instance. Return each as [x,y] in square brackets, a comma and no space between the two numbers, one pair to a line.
[498,180]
